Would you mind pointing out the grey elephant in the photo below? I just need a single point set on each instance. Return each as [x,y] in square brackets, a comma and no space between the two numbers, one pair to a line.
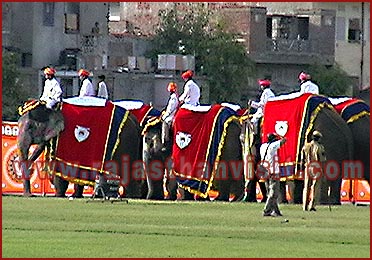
[230,152]
[356,113]
[37,126]
[125,151]
[337,139]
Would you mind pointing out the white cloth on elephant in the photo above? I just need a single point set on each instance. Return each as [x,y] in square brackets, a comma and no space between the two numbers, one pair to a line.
[86,88]
[191,93]
[309,87]
[52,92]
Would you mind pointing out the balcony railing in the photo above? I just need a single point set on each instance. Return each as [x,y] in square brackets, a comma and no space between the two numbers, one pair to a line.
[287,46]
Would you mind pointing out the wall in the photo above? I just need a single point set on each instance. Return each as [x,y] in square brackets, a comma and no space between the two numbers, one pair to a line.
[149,87]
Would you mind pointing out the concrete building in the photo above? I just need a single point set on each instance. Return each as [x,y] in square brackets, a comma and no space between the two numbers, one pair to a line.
[106,37]
[351,35]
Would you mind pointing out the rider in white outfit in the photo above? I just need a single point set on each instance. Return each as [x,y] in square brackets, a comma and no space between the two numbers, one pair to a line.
[191,91]
[52,90]
[306,85]
[168,115]
[266,94]
[86,85]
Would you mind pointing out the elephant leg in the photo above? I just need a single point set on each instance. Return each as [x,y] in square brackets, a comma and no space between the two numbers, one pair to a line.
[61,186]
[78,191]
[25,166]
[155,189]
[187,195]
[283,192]
[250,192]
[335,192]
[134,190]
[238,190]
[298,187]
[171,186]
[154,181]
[223,190]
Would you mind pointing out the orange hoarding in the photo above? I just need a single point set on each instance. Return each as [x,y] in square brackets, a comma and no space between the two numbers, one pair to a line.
[11,171]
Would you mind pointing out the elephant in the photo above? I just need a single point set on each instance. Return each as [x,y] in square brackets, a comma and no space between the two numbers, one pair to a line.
[230,152]
[361,137]
[127,147]
[153,155]
[356,113]
[37,126]
[339,146]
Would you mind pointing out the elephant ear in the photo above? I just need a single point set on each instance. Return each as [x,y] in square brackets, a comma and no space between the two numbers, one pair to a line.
[56,121]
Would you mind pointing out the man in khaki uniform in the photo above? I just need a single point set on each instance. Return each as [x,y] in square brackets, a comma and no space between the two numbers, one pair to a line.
[313,154]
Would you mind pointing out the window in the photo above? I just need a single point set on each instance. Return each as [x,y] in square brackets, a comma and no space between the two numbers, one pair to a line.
[303,28]
[71,23]
[72,11]
[354,30]
[48,14]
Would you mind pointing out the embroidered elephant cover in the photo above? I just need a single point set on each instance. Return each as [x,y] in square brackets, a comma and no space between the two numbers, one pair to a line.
[143,112]
[291,118]
[350,109]
[90,138]
[199,138]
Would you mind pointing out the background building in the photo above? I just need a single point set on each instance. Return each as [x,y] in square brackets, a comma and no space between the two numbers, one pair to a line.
[111,38]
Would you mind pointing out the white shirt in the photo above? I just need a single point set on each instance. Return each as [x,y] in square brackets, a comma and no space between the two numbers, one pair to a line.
[102,90]
[87,88]
[266,94]
[191,93]
[171,108]
[52,92]
[271,156]
[309,87]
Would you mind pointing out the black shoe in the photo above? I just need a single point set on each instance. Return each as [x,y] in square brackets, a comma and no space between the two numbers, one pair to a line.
[312,209]
[266,214]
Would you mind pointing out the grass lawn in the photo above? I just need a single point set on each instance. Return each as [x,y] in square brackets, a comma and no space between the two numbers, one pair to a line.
[45,227]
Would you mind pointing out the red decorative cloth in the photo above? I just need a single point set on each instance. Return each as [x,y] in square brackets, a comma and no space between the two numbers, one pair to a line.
[88,140]
[286,118]
[352,109]
[341,106]
[141,113]
[198,140]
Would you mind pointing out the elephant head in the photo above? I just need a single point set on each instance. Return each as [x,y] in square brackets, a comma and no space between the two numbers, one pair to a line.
[38,132]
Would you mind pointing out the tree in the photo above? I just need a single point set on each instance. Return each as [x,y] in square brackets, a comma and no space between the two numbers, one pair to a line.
[218,55]
[13,92]
[332,81]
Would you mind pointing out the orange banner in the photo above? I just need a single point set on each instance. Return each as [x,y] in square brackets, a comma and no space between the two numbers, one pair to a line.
[12,175]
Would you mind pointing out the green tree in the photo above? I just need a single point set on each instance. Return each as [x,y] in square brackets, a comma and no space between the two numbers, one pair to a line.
[218,55]
[332,81]
[13,93]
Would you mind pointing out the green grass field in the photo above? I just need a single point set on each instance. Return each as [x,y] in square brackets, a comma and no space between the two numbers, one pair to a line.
[42,227]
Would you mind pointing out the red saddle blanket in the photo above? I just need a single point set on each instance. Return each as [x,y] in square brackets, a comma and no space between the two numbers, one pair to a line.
[351,109]
[143,112]
[292,119]
[90,138]
[198,141]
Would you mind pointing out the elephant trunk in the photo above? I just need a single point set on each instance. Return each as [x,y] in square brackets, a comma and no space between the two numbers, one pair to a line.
[26,188]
